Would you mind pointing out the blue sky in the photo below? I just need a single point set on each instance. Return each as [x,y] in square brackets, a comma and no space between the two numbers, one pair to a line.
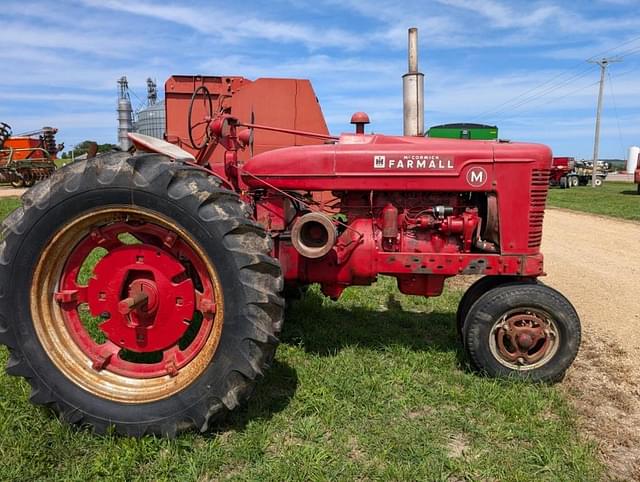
[518,64]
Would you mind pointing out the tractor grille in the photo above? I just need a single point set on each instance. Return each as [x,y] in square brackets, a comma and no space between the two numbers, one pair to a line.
[539,188]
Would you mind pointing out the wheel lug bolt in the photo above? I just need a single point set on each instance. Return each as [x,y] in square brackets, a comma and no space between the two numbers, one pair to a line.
[207,306]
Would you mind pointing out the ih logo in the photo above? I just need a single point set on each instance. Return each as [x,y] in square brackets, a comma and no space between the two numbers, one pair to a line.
[477,176]
[379,162]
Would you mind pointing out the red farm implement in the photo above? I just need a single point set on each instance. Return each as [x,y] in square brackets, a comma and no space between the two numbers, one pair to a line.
[26,158]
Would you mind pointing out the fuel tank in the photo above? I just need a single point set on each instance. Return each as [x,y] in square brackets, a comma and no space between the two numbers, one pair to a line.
[379,162]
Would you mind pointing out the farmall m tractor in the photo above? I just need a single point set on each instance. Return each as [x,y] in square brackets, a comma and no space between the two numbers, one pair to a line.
[146,291]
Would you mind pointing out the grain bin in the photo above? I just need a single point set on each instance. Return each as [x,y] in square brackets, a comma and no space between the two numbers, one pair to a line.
[632,158]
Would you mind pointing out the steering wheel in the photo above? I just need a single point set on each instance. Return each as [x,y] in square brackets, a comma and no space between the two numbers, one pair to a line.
[208,105]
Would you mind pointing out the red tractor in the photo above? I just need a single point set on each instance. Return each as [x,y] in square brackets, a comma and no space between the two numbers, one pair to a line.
[146,291]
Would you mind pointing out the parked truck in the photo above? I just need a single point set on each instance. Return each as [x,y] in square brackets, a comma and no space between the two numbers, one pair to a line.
[560,169]
[566,172]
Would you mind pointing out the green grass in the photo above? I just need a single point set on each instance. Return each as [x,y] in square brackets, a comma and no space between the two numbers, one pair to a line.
[616,199]
[374,386]
[7,205]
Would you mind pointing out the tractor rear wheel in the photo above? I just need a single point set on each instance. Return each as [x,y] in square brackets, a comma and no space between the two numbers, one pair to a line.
[137,293]
[526,331]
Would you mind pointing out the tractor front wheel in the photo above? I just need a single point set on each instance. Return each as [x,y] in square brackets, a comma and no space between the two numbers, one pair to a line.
[526,331]
[476,290]
[137,293]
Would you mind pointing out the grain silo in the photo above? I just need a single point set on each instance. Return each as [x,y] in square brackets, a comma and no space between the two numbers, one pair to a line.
[125,117]
[151,119]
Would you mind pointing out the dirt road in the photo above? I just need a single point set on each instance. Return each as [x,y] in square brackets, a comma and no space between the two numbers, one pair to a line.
[8,191]
[595,262]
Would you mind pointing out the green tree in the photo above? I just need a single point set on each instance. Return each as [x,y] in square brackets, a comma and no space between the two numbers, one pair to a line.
[83,147]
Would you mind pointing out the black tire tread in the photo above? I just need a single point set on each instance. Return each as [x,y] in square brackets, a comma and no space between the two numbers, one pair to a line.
[502,294]
[476,290]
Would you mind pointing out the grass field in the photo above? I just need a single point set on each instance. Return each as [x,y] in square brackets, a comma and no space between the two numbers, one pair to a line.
[374,386]
[617,199]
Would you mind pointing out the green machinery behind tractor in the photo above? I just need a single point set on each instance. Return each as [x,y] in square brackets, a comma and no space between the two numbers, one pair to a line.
[464,131]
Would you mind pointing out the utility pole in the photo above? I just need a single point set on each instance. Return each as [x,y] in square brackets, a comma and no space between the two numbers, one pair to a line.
[596,142]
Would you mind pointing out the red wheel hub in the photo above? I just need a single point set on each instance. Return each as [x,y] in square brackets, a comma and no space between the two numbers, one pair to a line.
[155,299]
[138,289]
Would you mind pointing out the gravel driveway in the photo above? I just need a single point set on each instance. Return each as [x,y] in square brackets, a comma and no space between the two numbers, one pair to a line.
[595,262]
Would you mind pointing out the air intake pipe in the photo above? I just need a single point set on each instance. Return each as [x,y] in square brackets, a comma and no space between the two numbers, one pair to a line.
[413,91]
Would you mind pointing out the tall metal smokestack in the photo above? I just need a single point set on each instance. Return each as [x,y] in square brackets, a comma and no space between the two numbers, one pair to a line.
[125,114]
[413,91]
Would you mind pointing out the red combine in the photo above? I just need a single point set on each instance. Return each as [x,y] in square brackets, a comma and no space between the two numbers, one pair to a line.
[147,291]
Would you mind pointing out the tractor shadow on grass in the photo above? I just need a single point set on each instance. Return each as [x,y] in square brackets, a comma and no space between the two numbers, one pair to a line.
[271,395]
[324,329]
[630,193]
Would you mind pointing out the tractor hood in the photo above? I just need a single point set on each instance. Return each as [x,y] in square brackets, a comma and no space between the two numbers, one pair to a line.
[365,162]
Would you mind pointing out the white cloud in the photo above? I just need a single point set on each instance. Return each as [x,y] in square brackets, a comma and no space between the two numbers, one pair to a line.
[74,98]
[231,27]
[504,16]
[353,51]
[43,38]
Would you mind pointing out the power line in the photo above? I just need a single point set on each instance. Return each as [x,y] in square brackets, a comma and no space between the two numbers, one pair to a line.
[626,72]
[543,93]
[518,100]
[601,54]
[500,108]
[549,101]
[629,53]
[503,112]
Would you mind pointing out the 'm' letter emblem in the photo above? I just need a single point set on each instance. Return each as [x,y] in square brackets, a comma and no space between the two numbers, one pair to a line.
[477,176]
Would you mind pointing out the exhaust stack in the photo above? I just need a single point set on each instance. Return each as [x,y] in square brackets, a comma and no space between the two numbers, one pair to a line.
[413,91]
